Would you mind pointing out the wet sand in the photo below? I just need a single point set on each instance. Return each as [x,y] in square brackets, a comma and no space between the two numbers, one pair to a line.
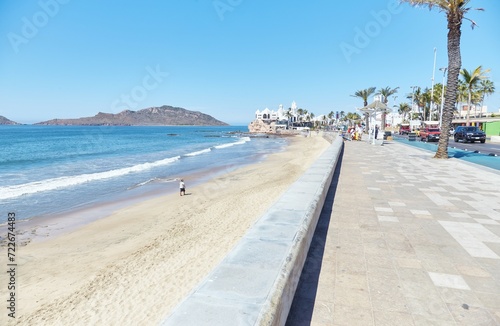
[135,265]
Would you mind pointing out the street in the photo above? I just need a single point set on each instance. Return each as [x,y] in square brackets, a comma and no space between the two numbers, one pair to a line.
[487,148]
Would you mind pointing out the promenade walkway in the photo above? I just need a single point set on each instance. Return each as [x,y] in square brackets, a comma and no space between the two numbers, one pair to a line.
[404,239]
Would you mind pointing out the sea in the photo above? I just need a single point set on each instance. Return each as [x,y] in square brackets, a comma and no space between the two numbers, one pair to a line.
[50,170]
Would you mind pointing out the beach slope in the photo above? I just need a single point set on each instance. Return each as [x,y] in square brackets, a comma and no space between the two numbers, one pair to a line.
[135,266]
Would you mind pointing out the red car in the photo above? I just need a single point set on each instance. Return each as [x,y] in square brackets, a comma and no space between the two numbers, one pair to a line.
[404,129]
[430,134]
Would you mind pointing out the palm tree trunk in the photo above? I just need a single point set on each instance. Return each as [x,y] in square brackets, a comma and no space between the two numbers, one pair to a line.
[367,116]
[454,65]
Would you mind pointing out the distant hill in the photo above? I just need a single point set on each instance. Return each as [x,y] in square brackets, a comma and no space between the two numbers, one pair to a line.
[155,116]
[5,121]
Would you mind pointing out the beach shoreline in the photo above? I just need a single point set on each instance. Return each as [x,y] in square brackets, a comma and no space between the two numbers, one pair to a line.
[47,226]
[154,251]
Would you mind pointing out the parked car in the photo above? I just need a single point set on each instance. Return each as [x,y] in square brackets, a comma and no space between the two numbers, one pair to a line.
[469,134]
[404,129]
[429,134]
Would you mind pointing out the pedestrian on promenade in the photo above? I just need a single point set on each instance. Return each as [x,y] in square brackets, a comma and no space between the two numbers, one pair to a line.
[376,131]
[182,188]
[359,131]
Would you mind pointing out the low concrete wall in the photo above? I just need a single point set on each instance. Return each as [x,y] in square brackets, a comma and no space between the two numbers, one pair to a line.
[256,282]
[495,139]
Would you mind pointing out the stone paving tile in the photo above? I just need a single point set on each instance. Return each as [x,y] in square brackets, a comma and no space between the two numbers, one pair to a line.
[392,318]
[471,315]
[407,243]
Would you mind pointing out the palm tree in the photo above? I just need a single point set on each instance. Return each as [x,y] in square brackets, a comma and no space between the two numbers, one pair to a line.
[404,109]
[462,96]
[353,118]
[289,116]
[364,94]
[455,11]
[418,98]
[330,116]
[426,99]
[386,92]
[300,112]
[438,95]
[486,88]
[472,79]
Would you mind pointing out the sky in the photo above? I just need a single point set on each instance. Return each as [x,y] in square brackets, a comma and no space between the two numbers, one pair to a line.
[225,58]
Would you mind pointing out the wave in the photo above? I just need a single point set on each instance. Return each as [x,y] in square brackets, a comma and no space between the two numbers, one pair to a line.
[14,191]
[241,142]
[153,180]
[63,182]
[206,150]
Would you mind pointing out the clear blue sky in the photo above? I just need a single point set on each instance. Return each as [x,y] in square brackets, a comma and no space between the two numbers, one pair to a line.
[227,58]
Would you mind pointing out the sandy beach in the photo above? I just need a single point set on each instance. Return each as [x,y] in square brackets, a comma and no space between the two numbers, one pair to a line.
[135,265]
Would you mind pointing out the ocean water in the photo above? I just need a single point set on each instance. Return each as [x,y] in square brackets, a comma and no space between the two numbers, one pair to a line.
[48,170]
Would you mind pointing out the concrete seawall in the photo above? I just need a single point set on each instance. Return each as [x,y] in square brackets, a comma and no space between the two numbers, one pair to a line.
[256,282]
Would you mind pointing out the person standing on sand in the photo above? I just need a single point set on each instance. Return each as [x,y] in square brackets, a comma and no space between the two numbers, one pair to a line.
[182,188]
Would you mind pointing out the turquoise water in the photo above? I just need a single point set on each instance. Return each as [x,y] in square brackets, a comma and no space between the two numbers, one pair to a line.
[50,169]
[477,158]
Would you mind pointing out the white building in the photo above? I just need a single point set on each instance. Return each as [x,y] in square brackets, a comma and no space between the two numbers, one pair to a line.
[475,111]
[279,115]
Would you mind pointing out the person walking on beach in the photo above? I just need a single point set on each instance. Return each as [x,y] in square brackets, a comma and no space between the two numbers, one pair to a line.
[182,188]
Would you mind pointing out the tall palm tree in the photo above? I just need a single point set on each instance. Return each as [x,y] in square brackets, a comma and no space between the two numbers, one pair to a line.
[462,96]
[330,117]
[289,116]
[455,11]
[418,98]
[486,88]
[300,112]
[426,99]
[386,92]
[404,109]
[353,118]
[472,79]
[364,94]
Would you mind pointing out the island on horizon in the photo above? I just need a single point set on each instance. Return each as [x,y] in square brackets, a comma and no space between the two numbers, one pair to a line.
[154,116]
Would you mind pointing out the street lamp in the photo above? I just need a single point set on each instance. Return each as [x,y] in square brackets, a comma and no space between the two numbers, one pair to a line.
[392,113]
[412,100]
[432,88]
[442,98]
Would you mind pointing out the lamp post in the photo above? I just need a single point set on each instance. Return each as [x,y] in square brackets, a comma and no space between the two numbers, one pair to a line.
[432,88]
[442,97]
[392,113]
[412,101]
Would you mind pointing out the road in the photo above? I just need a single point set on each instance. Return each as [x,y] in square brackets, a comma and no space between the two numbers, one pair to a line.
[486,148]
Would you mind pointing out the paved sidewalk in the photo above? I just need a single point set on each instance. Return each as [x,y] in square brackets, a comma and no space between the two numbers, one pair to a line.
[404,239]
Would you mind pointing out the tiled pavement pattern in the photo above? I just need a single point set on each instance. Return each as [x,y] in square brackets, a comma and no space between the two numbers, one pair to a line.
[404,239]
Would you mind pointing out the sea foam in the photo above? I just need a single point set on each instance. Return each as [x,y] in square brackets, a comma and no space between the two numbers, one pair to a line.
[67,181]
